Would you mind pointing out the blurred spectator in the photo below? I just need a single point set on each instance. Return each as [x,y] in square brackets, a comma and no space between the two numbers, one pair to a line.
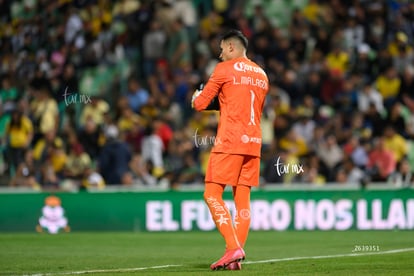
[8,94]
[165,13]
[331,155]
[298,43]
[360,155]
[332,86]
[313,85]
[398,44]
[364,63]
[346,100]
[150,110]
[354,33]
[73,29]
[407,85]
[267,121]
[141,171]
[407,100]
[355,150]
[185,10]
[25,175]
[19,134]
[350,174]
[182,142]
[323,42]
[374,120]
[312,171]
[53,159]
[290,85]
[91,138]
[92,180]
[137,95]
[163,130]
[358,127]
[383,61]
[77,160]
[189,172]
[305,125]
[49,149]
[396,118]
[134,138]
[152,150]
[211,23]
[395,142]
[369,95]
[318,138]
[114,158]
[171,112]
[128,120]
[376,31]
[95,110]
[43,108]
[388,84]
[337,60]
[179,52]
[293,143]
[381,162]
[403,177]
[404,58]
[153,47]
[312,12]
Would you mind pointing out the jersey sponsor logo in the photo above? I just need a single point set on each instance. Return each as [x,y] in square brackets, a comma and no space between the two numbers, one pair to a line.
[246,139]
[243,67]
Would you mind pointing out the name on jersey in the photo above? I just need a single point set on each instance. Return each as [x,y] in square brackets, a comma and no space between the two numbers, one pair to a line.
[243,80]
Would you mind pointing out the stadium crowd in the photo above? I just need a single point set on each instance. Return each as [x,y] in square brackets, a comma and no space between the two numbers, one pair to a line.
[340,107]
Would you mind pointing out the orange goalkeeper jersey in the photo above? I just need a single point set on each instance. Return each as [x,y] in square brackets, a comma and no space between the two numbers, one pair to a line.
[241,86]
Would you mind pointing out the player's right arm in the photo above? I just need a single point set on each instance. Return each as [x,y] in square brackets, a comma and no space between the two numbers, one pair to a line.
[213,86]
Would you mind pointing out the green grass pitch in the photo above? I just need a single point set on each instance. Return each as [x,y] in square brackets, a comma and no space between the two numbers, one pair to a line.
[191,253]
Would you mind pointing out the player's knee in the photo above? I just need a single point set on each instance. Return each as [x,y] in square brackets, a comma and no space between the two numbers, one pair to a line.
[213,191]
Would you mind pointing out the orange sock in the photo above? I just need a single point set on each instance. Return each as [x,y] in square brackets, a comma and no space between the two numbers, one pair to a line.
[213,195]
[241,195]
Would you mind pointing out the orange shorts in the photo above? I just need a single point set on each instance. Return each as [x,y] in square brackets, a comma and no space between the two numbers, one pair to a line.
[233,169]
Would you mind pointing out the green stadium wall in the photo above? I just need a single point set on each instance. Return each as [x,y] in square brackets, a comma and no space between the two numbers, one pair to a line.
[277,210]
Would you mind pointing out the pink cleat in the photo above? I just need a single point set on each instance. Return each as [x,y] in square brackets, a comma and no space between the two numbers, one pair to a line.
[230,256]
[234,266]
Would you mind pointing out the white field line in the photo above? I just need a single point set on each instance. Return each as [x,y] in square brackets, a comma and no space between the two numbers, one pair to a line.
[103,270]
[248,262]
[331,256]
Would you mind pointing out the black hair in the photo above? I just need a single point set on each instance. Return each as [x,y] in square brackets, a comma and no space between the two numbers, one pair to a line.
[236,34]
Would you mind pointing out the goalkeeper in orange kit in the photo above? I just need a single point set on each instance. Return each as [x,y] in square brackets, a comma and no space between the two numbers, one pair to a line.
[240,86]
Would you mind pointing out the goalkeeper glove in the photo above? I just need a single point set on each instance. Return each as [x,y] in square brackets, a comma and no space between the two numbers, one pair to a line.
[196,94]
